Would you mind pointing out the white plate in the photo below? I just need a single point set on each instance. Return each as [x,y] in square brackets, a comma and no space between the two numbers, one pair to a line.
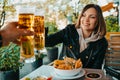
[82,72]
[31,78]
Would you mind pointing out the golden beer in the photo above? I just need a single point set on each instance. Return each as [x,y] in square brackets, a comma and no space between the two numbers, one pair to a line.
[39,24]
[39,38]
[39,41]
[26,21]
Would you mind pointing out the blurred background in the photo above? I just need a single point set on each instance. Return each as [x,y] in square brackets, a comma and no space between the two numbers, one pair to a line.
[58,13]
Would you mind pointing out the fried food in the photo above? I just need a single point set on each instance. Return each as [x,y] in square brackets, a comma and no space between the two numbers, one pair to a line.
[67,63]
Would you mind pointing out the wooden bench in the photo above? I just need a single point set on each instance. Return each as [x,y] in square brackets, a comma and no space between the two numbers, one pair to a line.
[112,57]
[114,42]
[109,33]
[113,60]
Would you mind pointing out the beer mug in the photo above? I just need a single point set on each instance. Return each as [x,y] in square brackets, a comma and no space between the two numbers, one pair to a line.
[39,37]
[26,21]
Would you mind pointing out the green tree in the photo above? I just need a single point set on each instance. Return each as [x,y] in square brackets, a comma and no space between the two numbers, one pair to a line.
[112,24]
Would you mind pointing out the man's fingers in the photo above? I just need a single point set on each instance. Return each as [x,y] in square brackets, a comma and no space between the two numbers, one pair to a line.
[27,32]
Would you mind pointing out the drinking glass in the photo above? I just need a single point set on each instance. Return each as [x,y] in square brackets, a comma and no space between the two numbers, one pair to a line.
[39,38]
[39,29]
[26,21]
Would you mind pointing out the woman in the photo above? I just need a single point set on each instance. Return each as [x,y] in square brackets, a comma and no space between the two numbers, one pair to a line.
[85,38]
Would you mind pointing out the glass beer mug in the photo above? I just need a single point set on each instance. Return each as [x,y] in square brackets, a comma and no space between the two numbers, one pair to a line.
[26,21]
[39,37]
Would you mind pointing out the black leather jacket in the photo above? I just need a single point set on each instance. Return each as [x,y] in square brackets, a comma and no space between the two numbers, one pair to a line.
[91,57]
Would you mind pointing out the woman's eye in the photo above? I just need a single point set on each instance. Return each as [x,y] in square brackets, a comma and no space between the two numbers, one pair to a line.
[93,17]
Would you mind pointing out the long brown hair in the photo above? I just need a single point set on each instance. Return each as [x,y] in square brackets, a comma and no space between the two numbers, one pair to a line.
[101,26]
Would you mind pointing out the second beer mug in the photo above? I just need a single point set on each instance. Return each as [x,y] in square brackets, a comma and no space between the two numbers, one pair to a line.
[26,21]
[39,38]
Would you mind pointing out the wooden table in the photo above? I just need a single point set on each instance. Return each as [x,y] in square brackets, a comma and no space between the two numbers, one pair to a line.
[47,71]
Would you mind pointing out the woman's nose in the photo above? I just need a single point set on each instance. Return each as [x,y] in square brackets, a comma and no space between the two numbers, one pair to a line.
[86,19]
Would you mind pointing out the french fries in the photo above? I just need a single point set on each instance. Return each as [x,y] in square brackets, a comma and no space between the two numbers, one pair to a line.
[67,64]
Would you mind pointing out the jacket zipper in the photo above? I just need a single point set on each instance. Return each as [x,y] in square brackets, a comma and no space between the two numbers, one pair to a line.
[89,58]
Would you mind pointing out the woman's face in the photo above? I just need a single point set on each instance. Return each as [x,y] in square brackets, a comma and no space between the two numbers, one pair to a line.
[89,19]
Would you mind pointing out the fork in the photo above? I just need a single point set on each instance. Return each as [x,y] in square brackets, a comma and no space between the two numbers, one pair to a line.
[71,53]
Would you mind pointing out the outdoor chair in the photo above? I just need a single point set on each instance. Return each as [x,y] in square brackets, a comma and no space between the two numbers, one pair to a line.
[112,56]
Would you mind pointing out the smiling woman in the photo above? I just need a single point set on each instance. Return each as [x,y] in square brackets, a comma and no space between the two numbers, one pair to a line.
[85,38]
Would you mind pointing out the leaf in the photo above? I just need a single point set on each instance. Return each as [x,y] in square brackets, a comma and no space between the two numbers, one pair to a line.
[9,57]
